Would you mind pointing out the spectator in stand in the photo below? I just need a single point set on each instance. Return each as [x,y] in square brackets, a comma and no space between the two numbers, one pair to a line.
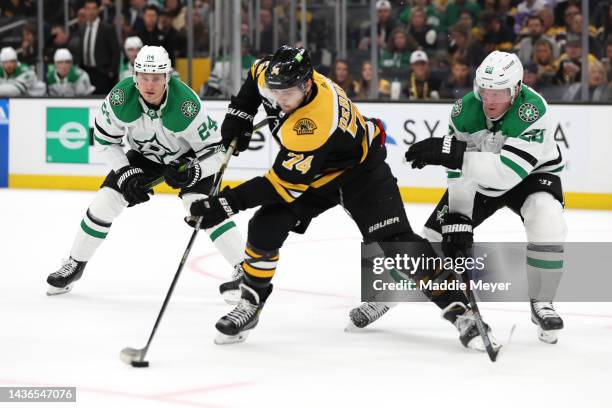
[570,12]
[341,74]
[570,63]
[453,10]
[61,39]
[530,76]
[64,79]
[605,30]
[27,53]
[459,82]
[607,60]
[397,54]
[17,8]
[152,34]
[525,9]
[384,26]
[422,33]
[100,50]
[548,19]
[599,88]
[135,15]
[544,59]
[575,31]
[362,87]
[420,85]
[266,33]
[131,46]
[462,45]
[168,35]
[432,11]
[82,19]
[496,35]
[525,47]
[177,12]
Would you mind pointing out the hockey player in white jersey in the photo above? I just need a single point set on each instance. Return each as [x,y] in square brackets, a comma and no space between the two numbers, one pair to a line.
[131,46]
[16,78]
[165,125]
[500,151]
[66,79]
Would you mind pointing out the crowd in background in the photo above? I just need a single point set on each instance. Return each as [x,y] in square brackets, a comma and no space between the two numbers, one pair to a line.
[428,49]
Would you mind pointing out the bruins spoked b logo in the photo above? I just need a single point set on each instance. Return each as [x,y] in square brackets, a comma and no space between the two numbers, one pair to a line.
[528,112]
[304,126]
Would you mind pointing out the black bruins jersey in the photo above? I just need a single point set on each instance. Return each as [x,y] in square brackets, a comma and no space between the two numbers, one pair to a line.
[320,141]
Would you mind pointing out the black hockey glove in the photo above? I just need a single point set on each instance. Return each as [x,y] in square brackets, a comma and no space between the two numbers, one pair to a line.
[178,173]
[214,210]
[132,181]
[457,236]
[238,123]
[446,151]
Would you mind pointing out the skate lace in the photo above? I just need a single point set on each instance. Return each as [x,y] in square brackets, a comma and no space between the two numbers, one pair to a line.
[67,269]
[242,313]
[544,309]
[374,310]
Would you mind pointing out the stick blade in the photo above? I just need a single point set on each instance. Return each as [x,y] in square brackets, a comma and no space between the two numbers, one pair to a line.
[130,356]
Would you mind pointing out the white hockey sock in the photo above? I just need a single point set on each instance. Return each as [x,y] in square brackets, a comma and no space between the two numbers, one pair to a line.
[544,270]
[228,240]
[96,223]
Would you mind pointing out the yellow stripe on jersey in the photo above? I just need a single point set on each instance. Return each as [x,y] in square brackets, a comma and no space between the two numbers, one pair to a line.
[284,188]
[321,181]
[310,126]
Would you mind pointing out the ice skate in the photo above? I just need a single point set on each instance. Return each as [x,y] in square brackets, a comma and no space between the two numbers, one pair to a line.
[63,280]
[549,323]
[230,290]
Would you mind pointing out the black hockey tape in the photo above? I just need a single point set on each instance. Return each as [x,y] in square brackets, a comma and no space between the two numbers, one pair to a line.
[139,364]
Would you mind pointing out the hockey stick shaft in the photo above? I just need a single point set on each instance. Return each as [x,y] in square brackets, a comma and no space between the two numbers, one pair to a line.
[482,329]
[214,190]
[201,158]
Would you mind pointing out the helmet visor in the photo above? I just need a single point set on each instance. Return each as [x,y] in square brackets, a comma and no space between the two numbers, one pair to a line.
[494,95]
[288,98]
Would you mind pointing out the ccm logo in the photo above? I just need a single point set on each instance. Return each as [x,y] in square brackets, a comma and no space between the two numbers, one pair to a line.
[446,229]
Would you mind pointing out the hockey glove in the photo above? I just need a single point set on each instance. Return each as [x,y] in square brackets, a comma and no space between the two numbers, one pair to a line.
[178,173]
[238,123]
[446,151]
[214,210]
[457,236]
[132,183]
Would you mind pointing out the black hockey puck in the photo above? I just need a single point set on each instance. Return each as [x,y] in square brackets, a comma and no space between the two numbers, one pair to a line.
[140,364]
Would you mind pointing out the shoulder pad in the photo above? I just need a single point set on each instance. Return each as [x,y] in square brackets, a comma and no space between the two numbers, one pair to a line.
[182,107]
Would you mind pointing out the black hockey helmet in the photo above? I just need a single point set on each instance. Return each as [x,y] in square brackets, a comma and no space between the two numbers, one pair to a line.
[289,67]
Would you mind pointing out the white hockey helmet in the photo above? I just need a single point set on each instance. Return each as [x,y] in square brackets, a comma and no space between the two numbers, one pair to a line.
[499,70]
[153,60]
[132,43]
[62,54]
[8,54]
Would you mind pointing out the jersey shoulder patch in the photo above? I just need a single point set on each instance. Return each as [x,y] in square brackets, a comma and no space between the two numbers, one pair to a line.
[123,99]
[467,114]
[182,106]
[309,127]
[528,108]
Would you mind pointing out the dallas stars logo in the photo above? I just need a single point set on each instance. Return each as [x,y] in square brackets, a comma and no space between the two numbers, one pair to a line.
[154,148]
[440,214]
[528,112]
[117,97]
[189,109]
[457,107]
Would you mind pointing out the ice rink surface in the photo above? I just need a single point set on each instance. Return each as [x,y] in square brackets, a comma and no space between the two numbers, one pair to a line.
[299,355]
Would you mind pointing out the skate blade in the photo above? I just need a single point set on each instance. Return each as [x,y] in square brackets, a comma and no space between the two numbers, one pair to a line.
[548,336]
[223,339]
[52,290]
[231,297]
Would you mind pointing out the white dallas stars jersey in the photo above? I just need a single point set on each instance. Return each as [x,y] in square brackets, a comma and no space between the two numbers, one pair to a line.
[179,125]
[20,82]
[501,154]
[76,83]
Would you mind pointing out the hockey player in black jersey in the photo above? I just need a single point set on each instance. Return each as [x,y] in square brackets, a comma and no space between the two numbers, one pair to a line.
[329,155]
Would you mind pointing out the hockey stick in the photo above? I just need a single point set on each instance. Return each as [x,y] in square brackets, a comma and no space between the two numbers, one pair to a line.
[201,158]
[136,357]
